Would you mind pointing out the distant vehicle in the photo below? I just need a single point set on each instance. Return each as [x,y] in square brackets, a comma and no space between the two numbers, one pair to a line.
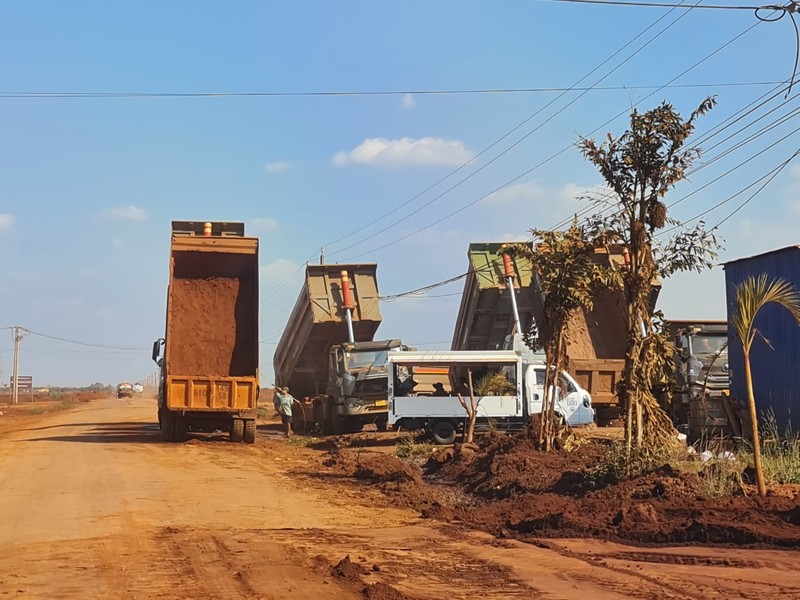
[138,389]
[124,390]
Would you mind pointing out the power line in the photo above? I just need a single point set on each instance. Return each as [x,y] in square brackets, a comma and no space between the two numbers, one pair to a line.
[524,137]
[366,93]
[80,343]
[788,8]
[766,183]
[563,150]
[769,176]
[714,131]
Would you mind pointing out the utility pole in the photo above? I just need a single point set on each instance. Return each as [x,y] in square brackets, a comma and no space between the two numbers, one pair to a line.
[15,368]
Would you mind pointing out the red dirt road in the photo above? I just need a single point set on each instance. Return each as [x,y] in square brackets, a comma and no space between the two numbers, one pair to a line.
[94,505]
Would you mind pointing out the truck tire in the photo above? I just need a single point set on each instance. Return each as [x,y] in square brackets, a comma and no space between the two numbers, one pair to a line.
[333,425]
[181,431]
[237,430]
[353,426]
[444,432]
[249,431]
[167,427]
[382,425]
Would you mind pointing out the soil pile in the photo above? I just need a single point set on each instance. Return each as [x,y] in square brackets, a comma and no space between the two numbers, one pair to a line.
[398,479]
[212,314]
[538,494]
[349,574]
[508,466]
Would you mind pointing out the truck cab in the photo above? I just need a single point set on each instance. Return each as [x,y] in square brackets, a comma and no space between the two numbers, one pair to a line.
[358,383]
[573,403]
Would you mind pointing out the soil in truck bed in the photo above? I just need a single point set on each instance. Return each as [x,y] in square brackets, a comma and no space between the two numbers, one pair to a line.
[212,327]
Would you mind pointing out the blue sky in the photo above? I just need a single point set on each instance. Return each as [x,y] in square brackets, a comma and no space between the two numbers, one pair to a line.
[89,185]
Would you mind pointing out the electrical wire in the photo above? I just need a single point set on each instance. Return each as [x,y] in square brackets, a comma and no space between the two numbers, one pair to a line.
[524,137]
[714,131]
[80,343]
[666,5]
[563,150]
[497,141]
[766,183]
[770,175]
[367,93]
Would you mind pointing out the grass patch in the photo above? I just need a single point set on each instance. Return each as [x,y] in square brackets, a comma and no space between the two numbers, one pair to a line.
[300,441]
[620,464]
[408,447]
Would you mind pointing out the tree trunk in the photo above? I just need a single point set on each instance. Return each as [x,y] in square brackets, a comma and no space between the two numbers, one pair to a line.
[751,401]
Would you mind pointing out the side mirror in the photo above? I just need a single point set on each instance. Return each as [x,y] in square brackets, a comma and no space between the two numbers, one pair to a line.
[157,351]
[679,342]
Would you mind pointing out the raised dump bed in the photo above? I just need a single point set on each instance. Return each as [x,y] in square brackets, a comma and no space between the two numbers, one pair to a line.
[317,323]
[209,354]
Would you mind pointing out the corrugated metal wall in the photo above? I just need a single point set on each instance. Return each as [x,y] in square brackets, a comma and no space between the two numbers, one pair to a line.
[776,372]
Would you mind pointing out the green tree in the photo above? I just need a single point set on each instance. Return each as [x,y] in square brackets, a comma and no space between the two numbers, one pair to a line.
[640,167]
[751,296]
[567,278]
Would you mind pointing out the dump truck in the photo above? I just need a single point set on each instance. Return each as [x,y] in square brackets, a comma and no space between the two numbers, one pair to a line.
[488,318]
[208,357]
[701,403]
[124,390]
[326,355]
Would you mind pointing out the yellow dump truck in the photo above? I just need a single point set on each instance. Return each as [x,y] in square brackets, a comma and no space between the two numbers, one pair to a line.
[209,353]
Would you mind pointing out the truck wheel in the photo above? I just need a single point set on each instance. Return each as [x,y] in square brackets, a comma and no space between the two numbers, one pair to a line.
[181,429]
[249,431]
[382,425]
[444,432]
[237,430]
[168,428]
[353,426]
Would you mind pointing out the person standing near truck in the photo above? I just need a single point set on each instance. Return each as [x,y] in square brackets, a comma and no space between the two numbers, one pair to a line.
[283,405]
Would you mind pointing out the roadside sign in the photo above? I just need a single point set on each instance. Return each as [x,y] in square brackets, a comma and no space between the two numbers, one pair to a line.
[25,383]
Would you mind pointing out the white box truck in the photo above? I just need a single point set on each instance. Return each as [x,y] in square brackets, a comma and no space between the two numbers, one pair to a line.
[440,413]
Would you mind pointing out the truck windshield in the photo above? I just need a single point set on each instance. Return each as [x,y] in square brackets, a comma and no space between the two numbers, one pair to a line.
[708,344]
[362,360]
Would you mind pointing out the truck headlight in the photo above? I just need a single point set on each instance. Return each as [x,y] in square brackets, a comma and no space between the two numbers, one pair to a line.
[354,406]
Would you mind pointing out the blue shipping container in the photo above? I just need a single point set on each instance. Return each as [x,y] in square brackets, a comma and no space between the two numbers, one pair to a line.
[776,376]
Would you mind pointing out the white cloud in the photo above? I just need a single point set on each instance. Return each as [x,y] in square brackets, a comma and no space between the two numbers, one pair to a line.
[409,102]
[428,151]
[278,166]
[124,213]
[7,221]
[277,272]
[263,224]
[519,192]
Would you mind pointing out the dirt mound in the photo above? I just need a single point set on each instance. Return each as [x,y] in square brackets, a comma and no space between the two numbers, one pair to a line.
[393,476]
[346,569]
[659,508]
[350,575]
[373,467]
[508,466]
[383,591]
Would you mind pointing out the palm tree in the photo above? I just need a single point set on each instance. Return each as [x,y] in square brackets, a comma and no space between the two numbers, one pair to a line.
[751,296]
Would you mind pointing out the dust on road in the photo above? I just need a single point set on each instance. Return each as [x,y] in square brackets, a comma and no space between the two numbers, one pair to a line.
[94,505]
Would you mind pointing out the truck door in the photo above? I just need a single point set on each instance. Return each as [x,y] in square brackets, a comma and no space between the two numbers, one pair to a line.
[572,404]
[534,389]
